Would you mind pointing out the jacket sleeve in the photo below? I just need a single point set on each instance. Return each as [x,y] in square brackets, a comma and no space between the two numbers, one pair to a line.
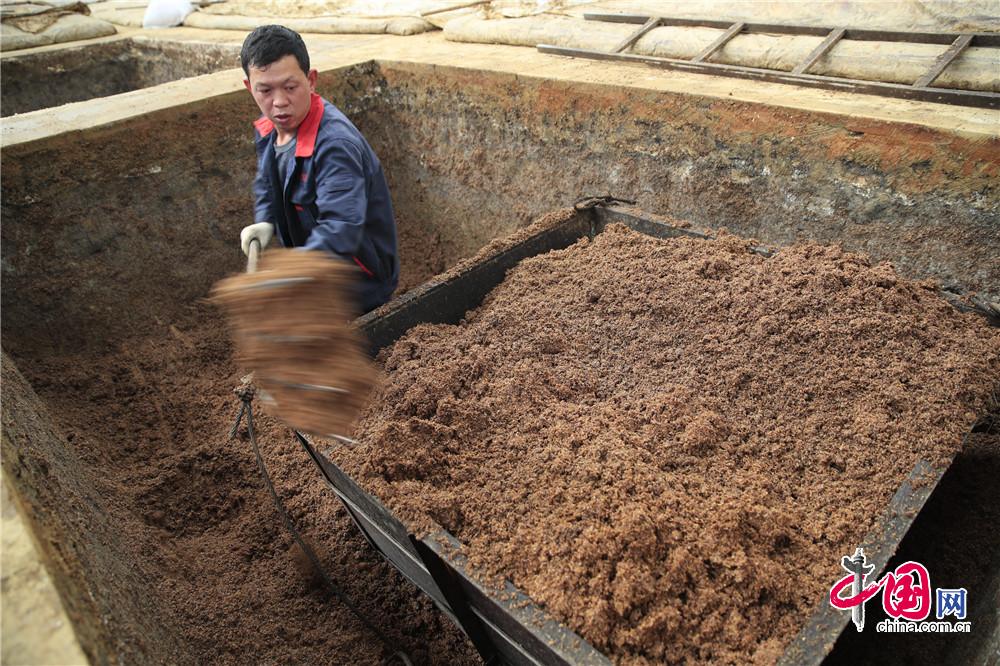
[341,198]
[262,191]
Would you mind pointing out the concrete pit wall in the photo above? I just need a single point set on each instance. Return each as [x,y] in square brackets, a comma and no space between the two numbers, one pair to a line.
[51,78]
[491,151]
[114,233]
[101,575]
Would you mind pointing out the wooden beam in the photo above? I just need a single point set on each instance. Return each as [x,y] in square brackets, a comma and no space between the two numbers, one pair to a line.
[723,39]
[978,39]
[451,8]
[637,35]
[820,51]
[986,100]
[943,61]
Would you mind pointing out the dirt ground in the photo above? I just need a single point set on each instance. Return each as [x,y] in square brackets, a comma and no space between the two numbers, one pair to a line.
[648,436]
[154,419]
[148,418]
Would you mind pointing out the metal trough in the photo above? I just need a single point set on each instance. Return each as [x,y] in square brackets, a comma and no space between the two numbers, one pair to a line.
[505,625]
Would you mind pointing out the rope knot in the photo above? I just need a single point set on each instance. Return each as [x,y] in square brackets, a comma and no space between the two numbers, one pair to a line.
[246,390]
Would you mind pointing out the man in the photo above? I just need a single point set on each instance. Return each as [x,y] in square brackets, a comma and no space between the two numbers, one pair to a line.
[319,185]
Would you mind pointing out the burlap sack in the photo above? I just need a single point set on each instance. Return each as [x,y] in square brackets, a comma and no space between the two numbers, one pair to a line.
[28,25]
[402,25]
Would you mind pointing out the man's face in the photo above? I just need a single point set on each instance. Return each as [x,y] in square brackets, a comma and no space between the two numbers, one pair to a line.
[282,91]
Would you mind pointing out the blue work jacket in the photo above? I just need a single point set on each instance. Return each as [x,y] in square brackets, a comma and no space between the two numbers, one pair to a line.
[335,198]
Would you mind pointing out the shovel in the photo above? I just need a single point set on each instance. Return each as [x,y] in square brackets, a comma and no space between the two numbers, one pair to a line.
[290,314]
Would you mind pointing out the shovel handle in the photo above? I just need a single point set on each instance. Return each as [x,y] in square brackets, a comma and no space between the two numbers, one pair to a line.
[253,256]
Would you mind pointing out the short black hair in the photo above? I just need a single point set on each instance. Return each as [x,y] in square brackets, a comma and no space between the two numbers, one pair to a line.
[270,43]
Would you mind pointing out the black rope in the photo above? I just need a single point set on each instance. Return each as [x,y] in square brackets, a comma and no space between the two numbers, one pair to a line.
[245,393]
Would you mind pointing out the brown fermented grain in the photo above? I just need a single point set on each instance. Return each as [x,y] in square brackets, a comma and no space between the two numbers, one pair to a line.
[670,443]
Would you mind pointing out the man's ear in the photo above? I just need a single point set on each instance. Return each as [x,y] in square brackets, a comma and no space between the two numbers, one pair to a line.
[246,82]
[312,79]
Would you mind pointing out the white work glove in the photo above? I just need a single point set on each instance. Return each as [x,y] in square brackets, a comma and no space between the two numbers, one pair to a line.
[262,231]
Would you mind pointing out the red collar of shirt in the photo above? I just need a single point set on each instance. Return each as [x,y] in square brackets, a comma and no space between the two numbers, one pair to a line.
[305,138]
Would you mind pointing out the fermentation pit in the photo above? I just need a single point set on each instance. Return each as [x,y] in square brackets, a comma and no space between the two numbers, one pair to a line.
[118,375]
[54,77]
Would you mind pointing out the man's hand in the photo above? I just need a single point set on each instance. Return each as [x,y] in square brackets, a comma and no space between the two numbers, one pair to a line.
[262,231]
